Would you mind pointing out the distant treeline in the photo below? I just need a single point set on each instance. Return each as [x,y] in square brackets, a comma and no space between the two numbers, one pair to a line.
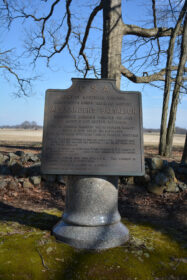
[178,130]
[24,125]
[34,125]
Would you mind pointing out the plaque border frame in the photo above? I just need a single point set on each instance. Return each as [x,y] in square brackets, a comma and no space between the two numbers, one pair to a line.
[70,172]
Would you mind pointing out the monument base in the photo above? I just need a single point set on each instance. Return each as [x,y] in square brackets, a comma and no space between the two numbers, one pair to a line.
[91,237]
[91,219]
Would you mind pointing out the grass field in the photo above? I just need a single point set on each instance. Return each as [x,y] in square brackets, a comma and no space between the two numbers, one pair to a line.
[16,136]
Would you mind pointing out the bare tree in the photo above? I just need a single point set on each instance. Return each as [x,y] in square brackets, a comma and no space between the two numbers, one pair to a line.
[176,91]
[184,156]
[46,40]
[51,35]
[165,148]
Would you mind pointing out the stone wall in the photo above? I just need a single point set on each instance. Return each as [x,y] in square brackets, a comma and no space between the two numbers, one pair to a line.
[160,175]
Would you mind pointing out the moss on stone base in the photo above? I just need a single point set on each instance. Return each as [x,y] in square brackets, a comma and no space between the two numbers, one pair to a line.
[29,251]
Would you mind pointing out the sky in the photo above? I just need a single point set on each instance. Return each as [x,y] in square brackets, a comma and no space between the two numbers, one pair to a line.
[14,110]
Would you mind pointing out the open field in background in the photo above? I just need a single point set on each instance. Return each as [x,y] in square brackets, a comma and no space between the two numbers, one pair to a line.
[15,136]
[20,135]
[153,139]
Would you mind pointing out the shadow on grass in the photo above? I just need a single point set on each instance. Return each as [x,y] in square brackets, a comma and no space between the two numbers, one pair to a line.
[164,220]
[42,221]
[112,263]
[162,216]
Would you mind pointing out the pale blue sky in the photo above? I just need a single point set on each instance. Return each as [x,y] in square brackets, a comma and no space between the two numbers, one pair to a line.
[16,110]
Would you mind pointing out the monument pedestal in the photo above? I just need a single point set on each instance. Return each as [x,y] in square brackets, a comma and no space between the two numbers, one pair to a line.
[92,128]
[91,219]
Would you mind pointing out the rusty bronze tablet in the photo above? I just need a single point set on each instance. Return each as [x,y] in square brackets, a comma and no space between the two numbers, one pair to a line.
[92,128]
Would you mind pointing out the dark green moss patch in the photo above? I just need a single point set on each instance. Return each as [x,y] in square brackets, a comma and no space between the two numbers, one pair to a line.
[29,251]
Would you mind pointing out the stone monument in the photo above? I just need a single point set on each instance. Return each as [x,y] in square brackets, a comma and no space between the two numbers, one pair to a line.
[93,134]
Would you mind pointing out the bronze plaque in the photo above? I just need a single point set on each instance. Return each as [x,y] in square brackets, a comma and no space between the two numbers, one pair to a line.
[92,128]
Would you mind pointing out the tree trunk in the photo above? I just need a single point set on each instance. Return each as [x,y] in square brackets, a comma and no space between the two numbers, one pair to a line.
[112,40]
[176,91]
[167,88]
[184,156]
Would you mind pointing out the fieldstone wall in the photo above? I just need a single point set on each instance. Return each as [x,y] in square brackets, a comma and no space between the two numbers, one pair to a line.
[25,168]
[160,175]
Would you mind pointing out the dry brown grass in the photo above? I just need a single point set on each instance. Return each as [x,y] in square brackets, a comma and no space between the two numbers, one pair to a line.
[153,139]
[20,135]
[35,136]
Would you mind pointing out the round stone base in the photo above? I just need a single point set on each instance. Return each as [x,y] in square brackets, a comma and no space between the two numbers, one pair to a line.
[91,237]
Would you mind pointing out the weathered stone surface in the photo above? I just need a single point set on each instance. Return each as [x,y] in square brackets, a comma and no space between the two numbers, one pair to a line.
[35,180]
[172,187]
[34,158]
[161,179]
[89,237]
[182,186]
[156,189]
[6,158]
[13,156]
[11,162]
[81,135]
[1,158]
[156,163]
[170,173]
[95,199]
[27,184]
[20,153]
[91,219]
[31,157]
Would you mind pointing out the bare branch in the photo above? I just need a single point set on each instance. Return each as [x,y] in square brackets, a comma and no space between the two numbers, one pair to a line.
[131,29]
[68,3]
[88,26]
[22,83]
[23,14]
[159,76]
[155,26]
[5,52]
[172,10]
[87,30]
[75,61]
